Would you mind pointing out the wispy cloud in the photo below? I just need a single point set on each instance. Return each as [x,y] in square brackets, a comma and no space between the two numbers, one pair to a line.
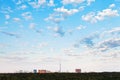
[68,50]
[113,32]
[39,30]
[2,45]
[22,7]
[27,15]
[6,10]
[43,44]
[58,31]
[72,1]
[12,58]
[10,34]
[78,28]
[33,27]
[114,54]
[88,41]
[76,45]
[17,19]
[108,44]
[95,41]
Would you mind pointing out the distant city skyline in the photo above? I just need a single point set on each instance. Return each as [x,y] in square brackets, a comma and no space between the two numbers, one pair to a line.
[47,34]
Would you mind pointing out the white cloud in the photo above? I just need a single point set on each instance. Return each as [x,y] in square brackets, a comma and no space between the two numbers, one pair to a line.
[13,58]
[90,1]
[90,17]
[105,41]
[18,2]
[6,10]
[51,3]
[2,45]
[22,7]
[65,2]
[37,4]
[106,13]
[7,17]
[32,25]
[87,41]
[16,19]
[113,32]
[101,15]
[112,6]
[43,44]
[60,14]
[40,2]
[52,49]
[49,27]
[80,27]
[72,1]
[34,5]
[27,15]
[70,31]
[55,18]
[59,31]
[66,11]
[69,50]
[81,8]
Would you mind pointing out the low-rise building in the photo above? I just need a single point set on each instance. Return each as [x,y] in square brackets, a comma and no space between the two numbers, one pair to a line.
[43,71]
[78,70]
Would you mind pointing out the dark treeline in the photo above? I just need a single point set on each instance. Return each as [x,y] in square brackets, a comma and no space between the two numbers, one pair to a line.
[61,76]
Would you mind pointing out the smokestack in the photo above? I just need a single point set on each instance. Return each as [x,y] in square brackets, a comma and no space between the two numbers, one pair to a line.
[59,70]
[60,67]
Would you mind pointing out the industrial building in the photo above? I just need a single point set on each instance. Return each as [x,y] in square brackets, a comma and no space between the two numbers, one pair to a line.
[41,71]
[78,70]
[35,71]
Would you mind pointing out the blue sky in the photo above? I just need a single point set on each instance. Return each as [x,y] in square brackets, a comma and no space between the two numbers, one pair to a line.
[41,34]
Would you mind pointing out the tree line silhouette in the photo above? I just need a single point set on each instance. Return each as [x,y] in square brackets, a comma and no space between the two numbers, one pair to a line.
[61,76]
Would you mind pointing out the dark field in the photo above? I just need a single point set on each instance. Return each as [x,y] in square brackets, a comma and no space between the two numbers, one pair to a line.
[61,76]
